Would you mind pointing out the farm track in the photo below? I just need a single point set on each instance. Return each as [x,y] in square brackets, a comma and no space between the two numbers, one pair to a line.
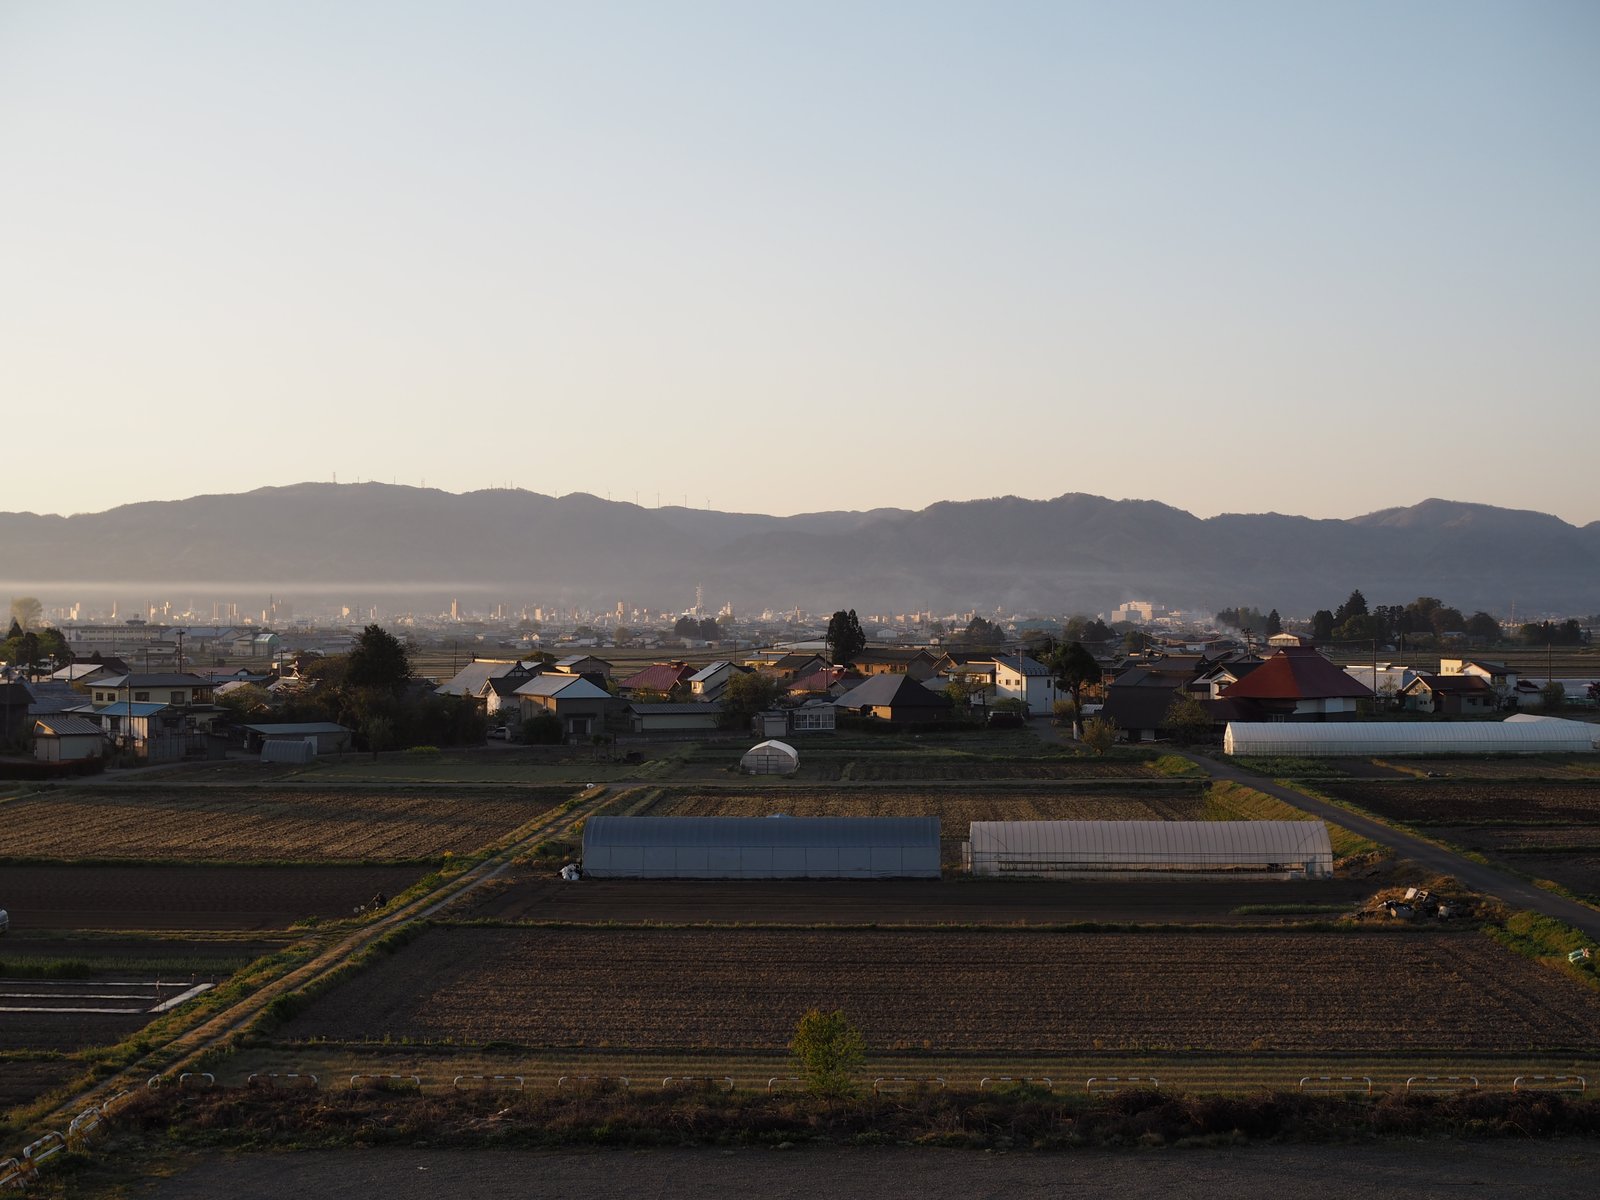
[332,952]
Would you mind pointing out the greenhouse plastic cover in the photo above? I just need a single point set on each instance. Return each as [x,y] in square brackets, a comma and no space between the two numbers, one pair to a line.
[761,847]
[1549,735]
[1040,847]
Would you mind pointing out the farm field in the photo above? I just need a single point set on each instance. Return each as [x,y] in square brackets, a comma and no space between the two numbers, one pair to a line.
[22,1079]
[956,807]
[995,992]
[1523,766]
[535,896]
[1450,802]
[165,897]
[211,824]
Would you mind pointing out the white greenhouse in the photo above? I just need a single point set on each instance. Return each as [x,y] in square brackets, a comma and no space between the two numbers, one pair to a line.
[1116,849]
[761,847]
[1549,735]
[770,758]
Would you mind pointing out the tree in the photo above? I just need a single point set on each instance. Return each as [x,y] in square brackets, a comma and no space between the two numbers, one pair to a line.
[378,661]
[1086,629]
[1554,695]
[1322,625]
[1099,734]
[845,637]
[247,702]
[983,633]
[1274,624]
[747,693]
[26,611]
[622,635]
[1187,720]
[962,690]
[1354,606]
[1073,668]
[1483,628]
[827,1051]
[380,734]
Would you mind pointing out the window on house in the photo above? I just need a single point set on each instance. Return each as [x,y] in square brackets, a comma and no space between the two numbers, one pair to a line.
[142,697]
[177,697]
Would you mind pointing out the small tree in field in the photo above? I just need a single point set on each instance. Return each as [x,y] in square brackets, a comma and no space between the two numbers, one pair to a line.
[827,1051]
[1187,720]
[1099,734]
[1554,695]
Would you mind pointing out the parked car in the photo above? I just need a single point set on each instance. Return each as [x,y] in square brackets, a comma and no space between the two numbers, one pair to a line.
[5,920]
[499,733]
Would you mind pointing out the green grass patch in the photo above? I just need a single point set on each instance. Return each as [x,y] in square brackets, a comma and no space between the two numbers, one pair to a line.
[1287,910]
[1177,766]
[1548,941]
[1227,801]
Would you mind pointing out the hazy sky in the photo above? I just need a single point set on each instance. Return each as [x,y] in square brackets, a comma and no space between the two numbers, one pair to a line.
[1317,258]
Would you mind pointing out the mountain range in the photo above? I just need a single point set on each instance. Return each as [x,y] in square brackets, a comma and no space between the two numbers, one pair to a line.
[1073,553]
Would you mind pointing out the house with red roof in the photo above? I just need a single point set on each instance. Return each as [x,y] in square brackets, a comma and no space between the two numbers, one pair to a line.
[1297,684]
[665,679]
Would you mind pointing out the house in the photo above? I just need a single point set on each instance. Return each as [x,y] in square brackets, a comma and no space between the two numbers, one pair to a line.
[646,718]
[1221,674]
[1018,677]
[795,665]
[329,737]
[1138,700]
[67,739]
[660,679]
[176,688]
[708,682]
[488,681]
[579,703]
[1298,684]
[1449,695]
[583,664]
[1280,641]
[896,660]
[896,697]
[830,681]
[1502,679]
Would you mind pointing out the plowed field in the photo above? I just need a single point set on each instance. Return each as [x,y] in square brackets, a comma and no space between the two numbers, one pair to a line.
[1449,802]
[955,991]
[61,896]
[245,824]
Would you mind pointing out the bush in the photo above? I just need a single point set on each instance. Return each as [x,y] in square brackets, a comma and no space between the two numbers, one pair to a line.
[827,1051]
[1099,734]
[542,729]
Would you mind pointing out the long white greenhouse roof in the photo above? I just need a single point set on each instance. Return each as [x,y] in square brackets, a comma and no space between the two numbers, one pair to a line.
[1550,736]
[1153,843]
[600,832]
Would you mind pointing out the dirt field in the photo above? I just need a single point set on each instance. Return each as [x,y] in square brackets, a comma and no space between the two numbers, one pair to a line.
[536,896]
[1447,802]
[1530,766]
[956,808]
[958,991]
[246,824]
[1417,1170]
[180,897]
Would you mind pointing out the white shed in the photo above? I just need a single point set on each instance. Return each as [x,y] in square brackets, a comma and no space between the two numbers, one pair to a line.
[771,758]
[1511,736]
[761,847]
[66,738]
[1113,849]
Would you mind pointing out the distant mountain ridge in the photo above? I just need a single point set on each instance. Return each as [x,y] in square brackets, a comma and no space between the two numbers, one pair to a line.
[1075,552]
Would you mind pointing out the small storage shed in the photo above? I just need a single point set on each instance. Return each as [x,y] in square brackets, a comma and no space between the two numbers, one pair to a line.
[761,847]
[1114,849]
[67,739]
[1511,736]
[770,758]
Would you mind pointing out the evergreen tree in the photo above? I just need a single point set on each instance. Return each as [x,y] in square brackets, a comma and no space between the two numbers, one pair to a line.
[846,638]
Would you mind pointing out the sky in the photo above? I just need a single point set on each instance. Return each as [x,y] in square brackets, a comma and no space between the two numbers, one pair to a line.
[1239,257]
